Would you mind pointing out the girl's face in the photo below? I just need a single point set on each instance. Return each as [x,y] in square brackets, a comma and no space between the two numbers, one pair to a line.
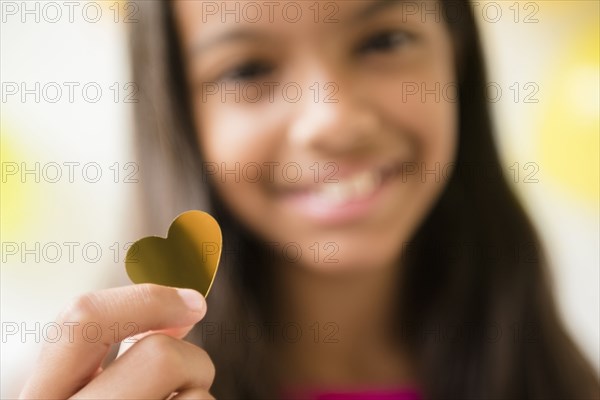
[326,127]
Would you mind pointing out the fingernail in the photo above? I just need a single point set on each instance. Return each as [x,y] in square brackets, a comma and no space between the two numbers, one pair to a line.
[192,299]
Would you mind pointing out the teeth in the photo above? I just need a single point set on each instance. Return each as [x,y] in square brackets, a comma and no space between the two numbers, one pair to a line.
[357,186]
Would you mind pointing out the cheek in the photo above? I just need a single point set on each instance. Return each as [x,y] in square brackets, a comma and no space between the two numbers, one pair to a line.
[424,106]
[434,127]
[239,149]
[227,136]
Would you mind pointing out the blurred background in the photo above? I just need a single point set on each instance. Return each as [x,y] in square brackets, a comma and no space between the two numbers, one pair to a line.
[68,189]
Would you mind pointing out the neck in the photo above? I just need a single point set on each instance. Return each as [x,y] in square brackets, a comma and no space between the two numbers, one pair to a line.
[344,319]
[359,300]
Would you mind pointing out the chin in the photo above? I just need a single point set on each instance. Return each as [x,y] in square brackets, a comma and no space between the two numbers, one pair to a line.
[347,257]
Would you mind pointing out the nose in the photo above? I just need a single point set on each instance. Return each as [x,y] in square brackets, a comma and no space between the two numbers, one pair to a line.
[334,119]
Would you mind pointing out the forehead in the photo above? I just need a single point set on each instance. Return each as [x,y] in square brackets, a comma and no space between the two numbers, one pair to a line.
[315,17]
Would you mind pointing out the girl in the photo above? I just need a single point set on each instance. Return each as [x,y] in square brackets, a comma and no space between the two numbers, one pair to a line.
[357,134]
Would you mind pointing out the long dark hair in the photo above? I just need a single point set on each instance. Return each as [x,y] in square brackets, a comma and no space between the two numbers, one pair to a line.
[475,304]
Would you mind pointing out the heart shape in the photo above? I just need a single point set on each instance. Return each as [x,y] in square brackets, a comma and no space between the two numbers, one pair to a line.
[187,258]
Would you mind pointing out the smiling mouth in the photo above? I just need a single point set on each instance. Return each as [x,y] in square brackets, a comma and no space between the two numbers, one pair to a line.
[340,191]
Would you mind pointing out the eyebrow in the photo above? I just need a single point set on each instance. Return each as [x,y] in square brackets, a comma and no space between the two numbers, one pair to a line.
[244,34]
[230,36]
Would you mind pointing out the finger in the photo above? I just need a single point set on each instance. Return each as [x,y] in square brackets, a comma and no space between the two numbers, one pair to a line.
[95,321]
[194,394]
[178,333]
[153,368]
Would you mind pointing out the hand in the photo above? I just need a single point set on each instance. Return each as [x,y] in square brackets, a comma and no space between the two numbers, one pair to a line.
[155,367]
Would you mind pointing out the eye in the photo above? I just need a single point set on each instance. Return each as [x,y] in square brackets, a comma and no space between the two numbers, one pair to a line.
[247,71]
[384,41]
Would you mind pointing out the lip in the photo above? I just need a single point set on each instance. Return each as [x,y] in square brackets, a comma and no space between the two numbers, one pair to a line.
[314,201]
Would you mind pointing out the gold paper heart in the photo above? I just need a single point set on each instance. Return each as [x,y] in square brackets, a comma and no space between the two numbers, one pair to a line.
[187,258]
